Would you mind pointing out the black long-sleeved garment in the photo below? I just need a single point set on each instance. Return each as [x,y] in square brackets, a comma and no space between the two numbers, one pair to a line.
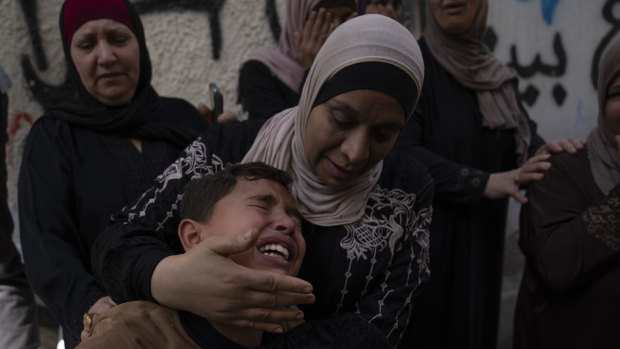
[71,181]
[261,93]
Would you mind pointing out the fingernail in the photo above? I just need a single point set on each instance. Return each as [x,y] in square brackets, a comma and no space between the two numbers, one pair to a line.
[278,330]
[299,316]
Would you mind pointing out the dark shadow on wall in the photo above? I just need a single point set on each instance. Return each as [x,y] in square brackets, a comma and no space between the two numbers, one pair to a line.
[48,95]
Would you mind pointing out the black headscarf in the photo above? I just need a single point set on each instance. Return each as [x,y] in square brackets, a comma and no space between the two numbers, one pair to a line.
[140,118]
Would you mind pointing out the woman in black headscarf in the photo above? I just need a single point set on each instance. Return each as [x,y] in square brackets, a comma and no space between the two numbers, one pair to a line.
[87,158]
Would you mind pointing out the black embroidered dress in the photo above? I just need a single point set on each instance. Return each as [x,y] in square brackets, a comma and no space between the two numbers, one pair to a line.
[373,267]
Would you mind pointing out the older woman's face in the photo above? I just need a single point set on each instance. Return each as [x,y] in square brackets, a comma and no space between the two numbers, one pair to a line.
[350,133]
[612,107]
[106,55]
[454,16]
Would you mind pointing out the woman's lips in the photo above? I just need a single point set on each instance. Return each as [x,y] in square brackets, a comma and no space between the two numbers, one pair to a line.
[338,171]
[454,8]
[108,77]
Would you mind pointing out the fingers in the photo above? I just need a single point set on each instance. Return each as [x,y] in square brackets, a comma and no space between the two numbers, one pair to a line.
[206,113]
[519,197]
[227,117]
[578,143]
[269,319]
[227,245]
[293,290]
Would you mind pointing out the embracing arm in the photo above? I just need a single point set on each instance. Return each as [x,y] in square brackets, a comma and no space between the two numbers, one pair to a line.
[136,258]
[568,241]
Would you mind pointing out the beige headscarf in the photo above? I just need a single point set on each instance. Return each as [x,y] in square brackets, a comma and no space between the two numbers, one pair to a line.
[280,142]
[474,66]
[602,147]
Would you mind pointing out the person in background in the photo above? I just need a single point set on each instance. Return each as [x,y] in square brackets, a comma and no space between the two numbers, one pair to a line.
[18,315]
[270,81]
[366,209]
[570,233]
[87,158]
[477,140]
[390,8]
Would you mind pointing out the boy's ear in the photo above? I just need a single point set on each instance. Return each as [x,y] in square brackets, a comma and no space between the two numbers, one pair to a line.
[189,233]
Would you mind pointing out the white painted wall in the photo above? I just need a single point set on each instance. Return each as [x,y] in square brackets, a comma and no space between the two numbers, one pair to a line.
[180,48]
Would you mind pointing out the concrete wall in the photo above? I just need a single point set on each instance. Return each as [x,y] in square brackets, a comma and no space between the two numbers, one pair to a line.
[553,44]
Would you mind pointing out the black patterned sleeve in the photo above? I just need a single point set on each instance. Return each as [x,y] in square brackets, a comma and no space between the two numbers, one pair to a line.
[390,299]
[570,239]
[125,255]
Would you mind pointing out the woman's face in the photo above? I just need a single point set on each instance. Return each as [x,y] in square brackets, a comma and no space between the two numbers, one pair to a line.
[454,16]
[391,8]
[350,133]
[340,14]
[106,55]
[612,106]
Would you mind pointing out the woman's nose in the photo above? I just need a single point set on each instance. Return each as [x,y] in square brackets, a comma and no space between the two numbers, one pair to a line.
[355,147]
[105,53]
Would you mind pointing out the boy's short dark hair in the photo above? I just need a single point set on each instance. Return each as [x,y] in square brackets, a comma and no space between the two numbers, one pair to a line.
[202,194]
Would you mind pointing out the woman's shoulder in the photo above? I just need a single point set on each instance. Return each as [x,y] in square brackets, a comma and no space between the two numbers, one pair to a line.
[401,170]
[46,127]
[182,112]
[569,164]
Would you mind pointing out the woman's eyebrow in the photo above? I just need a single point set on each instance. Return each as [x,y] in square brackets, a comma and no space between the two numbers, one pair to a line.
[343,106]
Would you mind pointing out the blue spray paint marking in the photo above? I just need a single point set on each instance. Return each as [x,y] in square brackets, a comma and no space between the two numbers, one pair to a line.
[580,122]
[548,10]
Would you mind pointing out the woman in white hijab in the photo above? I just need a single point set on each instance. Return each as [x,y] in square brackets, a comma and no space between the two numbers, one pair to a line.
[367,211]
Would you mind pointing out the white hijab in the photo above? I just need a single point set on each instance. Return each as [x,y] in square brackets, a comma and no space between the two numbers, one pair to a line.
[280,142]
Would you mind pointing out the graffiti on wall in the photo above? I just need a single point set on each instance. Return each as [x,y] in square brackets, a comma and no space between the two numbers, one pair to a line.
[47,94]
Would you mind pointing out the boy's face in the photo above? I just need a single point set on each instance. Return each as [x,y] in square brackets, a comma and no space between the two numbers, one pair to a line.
[268,206]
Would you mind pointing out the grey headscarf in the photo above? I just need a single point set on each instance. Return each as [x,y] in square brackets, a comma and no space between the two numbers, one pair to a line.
[474,66]
[280,142]
[602,147]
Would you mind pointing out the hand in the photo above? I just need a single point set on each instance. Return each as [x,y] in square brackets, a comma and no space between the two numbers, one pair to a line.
[387,9]
[289,325]
[206,282]
[507,183]
[101,306]
[227,116]
[569,145]
[314,33]
[206,113]
[209,115]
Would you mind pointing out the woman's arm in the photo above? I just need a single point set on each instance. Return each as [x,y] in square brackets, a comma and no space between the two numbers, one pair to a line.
[202,281]
[55,255]
[568,241]
[453,182]
[261,94]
